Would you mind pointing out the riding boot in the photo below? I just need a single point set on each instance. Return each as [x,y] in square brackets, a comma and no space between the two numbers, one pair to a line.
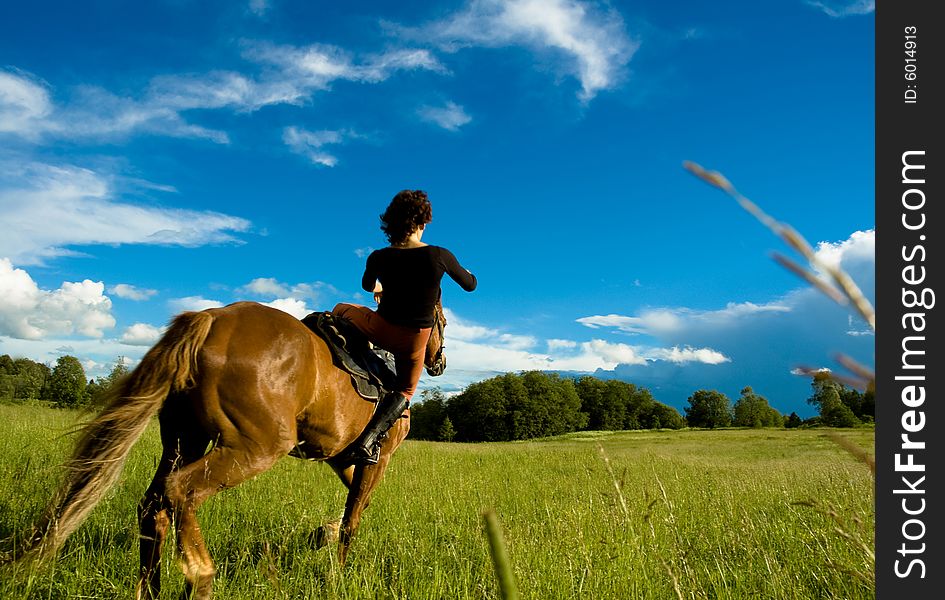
[367,448]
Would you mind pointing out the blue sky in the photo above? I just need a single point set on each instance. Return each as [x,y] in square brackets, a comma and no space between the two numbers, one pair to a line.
[158,157]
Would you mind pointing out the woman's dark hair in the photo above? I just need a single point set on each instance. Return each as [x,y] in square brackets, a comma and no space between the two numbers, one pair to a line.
[406,212]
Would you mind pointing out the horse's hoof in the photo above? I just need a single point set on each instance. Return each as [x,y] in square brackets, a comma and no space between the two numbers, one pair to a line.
[325,534]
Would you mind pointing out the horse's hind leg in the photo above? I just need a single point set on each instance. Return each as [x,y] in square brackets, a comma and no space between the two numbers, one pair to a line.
[154,514]
[153,522]
[190,486]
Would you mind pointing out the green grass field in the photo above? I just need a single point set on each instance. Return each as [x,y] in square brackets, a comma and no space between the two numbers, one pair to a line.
[670,514]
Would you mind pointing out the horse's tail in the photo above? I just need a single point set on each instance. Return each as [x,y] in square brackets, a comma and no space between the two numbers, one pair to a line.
[104,443]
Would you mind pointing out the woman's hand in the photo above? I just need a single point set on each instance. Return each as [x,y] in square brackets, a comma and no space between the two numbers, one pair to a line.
[378,291]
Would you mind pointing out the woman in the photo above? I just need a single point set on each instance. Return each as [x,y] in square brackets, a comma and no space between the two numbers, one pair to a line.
[405,279]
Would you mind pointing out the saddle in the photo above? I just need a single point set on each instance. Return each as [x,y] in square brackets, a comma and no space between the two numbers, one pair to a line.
[371,369]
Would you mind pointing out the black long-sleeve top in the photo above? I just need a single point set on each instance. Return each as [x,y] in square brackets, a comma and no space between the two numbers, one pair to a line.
[410,278]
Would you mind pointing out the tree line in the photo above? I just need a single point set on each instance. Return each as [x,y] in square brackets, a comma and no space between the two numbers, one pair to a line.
[64,385]
[518,406]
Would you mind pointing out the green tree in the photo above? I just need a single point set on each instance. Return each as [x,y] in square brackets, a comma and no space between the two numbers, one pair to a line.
[614,405]
[446,433]
[661,416]
[752,410]
[427,415]
[604,402]
[516,406]
[708,409]
[525,414]
[24,379]
[96,390]
[839,415]
[868,406]
[118,373]
[836,403]
[7,366]
[66,387]
[792,421]
[555,405]
[823,389]
[93,392]
[479,413]
[640,409]
[852,398]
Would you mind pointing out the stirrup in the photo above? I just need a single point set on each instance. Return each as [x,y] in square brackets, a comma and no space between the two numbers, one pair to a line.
[364,456]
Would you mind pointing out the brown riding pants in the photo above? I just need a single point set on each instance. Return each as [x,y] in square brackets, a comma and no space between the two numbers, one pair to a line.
[407,344]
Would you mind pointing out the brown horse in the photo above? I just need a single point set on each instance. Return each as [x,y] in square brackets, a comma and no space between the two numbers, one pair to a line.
[237,388]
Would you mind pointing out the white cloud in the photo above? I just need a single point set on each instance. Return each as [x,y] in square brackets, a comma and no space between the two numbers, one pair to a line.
[218,90]
[288,295]
[845,9]
[310,143]
[141,334]
[27,110]
[669,321]
[89,365]
[594,46]
[289,75]
[859,247]
[611,354]
[313,291]
[451,116]
[484,358]
[130,292]
[459,329]
[687,354]
[556,344]
[303,70]
[99,114]
[24,103]
[805,372]
[379,67]
[516,342]
[265,286]
[293,306]
[193,303]
[45,209]
[29,312]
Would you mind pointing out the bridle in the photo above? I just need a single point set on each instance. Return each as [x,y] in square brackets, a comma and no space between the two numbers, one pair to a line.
[438,365]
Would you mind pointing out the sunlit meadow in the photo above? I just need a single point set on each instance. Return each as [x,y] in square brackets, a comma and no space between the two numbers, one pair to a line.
[661,514]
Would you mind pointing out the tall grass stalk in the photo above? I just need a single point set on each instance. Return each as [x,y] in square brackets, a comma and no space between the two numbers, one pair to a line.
[840,287]
[508,590]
